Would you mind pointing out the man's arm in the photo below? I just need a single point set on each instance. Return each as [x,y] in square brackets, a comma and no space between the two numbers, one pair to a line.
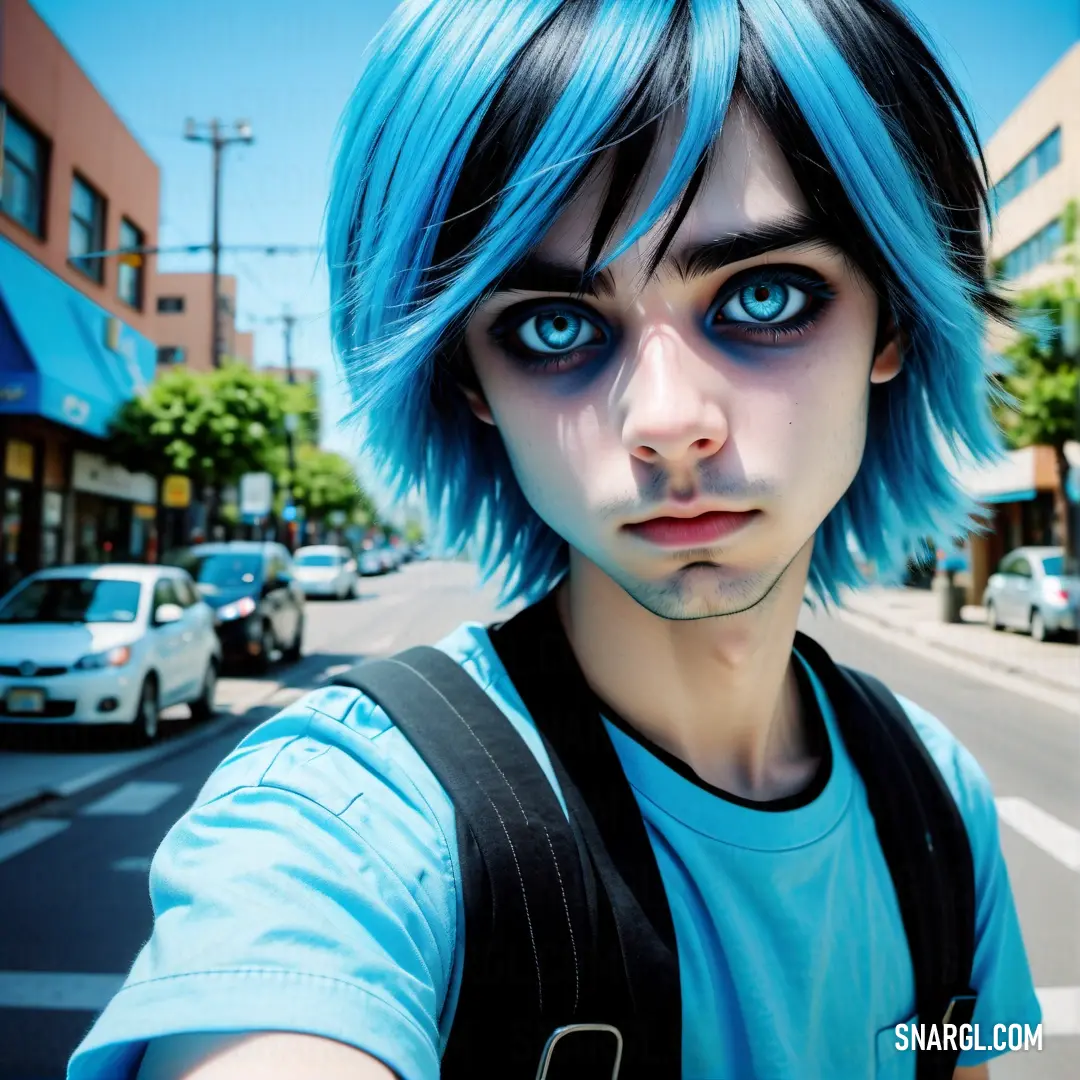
[973,1072]
[269,1055]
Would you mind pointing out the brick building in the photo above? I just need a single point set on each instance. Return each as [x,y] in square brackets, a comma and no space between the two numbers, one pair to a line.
[75,330]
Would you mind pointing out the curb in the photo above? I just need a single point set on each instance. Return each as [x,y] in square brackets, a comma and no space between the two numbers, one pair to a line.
[1010,677]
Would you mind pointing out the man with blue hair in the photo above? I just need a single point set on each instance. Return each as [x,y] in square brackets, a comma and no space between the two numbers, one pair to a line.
[666,307]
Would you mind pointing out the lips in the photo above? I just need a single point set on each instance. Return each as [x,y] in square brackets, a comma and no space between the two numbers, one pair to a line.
[697,531]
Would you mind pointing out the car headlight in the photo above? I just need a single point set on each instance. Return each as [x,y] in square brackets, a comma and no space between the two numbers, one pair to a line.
[239,609]
[115,657]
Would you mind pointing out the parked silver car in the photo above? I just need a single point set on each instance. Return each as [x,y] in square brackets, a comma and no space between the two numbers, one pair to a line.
[326,570]
[370,563]
[1030,591]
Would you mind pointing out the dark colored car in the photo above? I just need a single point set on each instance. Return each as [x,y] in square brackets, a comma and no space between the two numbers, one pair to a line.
[258,606]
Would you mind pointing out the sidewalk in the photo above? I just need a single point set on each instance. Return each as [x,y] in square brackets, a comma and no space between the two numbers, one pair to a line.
[1055,665]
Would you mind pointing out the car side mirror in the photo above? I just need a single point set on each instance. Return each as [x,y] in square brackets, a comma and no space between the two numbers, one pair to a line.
[168,613]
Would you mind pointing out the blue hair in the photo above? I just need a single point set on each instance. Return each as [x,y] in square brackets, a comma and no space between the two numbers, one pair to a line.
[476,123]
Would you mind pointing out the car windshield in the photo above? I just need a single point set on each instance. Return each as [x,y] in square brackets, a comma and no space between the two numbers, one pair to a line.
[316,558]
[223,569]
[73,600]
[1054,565]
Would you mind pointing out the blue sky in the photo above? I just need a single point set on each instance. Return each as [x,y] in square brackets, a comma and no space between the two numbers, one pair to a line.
[289,66]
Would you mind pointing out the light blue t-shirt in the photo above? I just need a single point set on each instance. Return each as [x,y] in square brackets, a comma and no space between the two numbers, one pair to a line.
[313,887]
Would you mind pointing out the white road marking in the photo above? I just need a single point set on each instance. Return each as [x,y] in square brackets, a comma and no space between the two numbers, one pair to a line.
[1061,1009]
[134,797]
[333,670]
[57,990]
[1057,839]
[384,644]
[137,864]
[15,841]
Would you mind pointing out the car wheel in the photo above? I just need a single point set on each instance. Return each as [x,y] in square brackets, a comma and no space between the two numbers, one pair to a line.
[992,617]
[1038,627]
[147,718]
[202,708]
[295,650]
[267,645]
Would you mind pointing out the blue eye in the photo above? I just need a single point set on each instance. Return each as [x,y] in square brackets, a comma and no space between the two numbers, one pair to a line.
[556,331]
[765,302]
[551,335]
[770,300]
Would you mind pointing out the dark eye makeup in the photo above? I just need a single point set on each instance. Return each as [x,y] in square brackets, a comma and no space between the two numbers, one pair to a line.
[762,305]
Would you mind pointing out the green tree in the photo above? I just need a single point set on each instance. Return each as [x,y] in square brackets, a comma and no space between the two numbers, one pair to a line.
[213,426]
[1044,384]
[324,482]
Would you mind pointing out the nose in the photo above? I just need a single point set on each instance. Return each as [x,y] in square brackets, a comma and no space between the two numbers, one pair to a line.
[672,415]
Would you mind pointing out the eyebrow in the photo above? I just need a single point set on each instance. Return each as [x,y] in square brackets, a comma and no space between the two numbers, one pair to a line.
[538,273]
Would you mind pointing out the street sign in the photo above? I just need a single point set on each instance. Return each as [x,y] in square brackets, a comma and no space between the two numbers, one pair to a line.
[289,513]
[256,494]
[176,492]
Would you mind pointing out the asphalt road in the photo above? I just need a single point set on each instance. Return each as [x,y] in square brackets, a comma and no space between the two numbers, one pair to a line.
[74,908]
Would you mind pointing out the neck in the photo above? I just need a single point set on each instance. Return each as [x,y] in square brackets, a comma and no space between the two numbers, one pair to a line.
[718,693]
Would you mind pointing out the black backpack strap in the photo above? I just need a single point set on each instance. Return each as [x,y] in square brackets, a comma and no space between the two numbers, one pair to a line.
[640,989]
[529,951]
[923,838]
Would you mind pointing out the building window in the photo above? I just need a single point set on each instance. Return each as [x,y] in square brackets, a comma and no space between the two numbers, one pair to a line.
[1034,251]
[170,355]
[1030,168]
[129,275]
[170,305]
[22,196]
[86,233]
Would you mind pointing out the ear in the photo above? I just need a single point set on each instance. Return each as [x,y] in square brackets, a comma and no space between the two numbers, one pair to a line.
[888,362]
[478,403]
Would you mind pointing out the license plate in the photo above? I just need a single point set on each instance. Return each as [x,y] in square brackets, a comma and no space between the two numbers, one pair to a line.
[25,701]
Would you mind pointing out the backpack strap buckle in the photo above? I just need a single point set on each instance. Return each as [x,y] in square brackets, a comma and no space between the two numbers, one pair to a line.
[578,1051]
[961,1009]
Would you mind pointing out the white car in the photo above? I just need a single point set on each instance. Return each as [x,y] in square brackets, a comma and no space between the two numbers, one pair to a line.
[326,570]
[109,644]
[371,563]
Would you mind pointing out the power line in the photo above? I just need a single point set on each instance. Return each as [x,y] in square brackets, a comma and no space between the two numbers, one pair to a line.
[194,249]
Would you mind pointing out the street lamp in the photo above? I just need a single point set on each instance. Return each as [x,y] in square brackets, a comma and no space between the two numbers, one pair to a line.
[218,138]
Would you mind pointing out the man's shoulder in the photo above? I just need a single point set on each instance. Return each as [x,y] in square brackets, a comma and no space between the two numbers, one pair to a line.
[334,742]
[468,646]
[963,775]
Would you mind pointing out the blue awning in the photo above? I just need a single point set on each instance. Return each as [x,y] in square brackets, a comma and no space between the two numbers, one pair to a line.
[61,355]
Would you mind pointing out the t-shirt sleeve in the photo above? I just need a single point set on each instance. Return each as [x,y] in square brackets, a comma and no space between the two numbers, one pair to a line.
[1001,975]
[310,888]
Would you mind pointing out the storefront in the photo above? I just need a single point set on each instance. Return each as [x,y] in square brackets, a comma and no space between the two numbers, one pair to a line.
[1017,496]
[66,365]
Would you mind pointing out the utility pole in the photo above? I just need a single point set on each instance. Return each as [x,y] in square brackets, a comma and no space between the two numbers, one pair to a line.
[288,321]
[217,137]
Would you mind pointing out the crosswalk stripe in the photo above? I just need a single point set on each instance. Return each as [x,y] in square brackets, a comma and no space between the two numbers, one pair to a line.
[1045,831]
[15,841]
[57,990]
[138,864]
[134,797]
[1061,1010]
